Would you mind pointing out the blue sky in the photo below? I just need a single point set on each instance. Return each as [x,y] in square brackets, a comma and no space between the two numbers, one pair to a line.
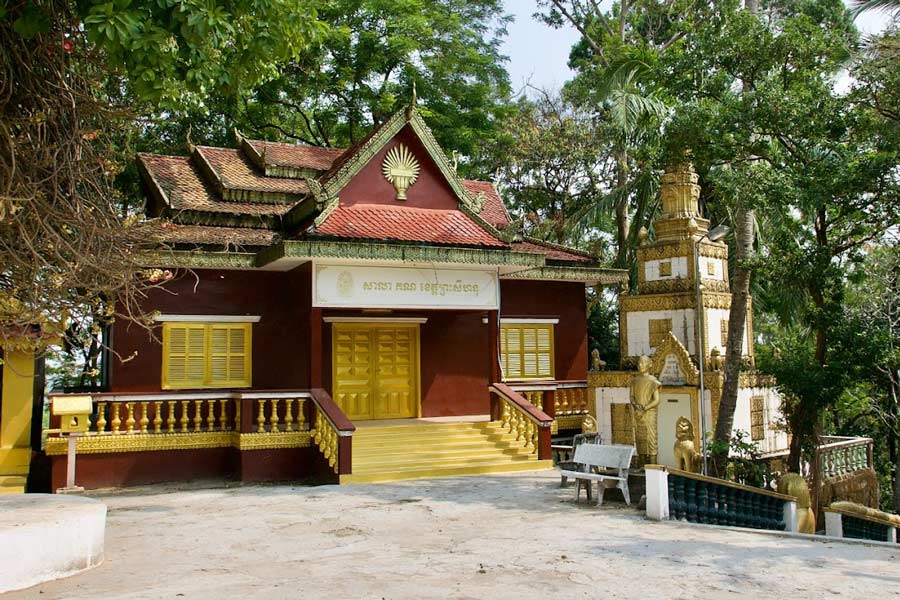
[538,54]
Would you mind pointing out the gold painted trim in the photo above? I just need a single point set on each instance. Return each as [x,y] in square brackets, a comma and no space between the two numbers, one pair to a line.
[154,442]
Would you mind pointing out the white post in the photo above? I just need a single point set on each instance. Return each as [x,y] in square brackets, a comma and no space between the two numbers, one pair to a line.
[892,535]
[71,488]
[791,519]
[834,526]
[657,494]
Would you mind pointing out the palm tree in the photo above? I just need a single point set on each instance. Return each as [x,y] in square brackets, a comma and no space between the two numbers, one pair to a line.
[891,6]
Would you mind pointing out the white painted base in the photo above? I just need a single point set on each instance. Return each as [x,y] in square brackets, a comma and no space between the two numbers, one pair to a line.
[45,537]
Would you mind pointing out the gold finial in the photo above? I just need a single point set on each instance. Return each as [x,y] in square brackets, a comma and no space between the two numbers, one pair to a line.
[187,139]
[412,101]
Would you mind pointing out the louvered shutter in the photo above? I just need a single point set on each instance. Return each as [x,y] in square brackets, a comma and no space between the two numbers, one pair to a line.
[184,355]
[526,351]
[228,355]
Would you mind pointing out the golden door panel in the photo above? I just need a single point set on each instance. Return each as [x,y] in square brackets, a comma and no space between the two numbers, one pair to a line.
[353,379]
[376,373]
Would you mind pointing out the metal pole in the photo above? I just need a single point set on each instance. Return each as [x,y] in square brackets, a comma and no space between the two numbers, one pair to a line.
[700,355]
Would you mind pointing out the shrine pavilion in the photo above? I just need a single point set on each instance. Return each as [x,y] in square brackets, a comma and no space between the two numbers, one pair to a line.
[359,314]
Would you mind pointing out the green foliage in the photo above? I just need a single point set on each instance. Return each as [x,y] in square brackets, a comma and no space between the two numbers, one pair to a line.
[361,70]
[740,458]
[603,327]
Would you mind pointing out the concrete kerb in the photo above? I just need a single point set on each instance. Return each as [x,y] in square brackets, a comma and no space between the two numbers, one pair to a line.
[45,537]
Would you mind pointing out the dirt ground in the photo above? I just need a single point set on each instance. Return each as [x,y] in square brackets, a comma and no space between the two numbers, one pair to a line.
[490,537]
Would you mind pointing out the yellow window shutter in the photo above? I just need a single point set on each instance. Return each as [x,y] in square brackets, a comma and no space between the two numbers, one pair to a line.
[545,351]
[184,355]
[229,355]
[527,351]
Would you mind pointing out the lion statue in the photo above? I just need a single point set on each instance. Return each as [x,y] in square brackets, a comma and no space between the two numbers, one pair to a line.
[686,456]
[794,484]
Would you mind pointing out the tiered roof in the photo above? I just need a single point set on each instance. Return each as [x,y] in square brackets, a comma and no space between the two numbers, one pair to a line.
[265,194]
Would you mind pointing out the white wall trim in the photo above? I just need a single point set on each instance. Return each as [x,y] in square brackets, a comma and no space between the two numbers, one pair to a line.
[375,319]
[207,318]
[522,321]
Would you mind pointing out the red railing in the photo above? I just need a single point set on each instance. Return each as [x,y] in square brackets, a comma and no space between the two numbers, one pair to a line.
[530,424]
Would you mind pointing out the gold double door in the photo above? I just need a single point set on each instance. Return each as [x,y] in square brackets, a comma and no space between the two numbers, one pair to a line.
[376,369]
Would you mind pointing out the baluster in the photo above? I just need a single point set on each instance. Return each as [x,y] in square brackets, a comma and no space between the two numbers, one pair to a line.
[673,509]
[680,503]
[170,417]
[129,417]
[301,414]
[261,417]
[504,415]
[556,406]
[237,414]
[690,493]
[184,416]
[273,417]
[198,422]
[702,499]
[116,422]
[210,415]
[721,505]
[145,420]
[565,401]
[755,512]
[157,417]
[520,426]
[223,415]
[101,416]
[732,507]
[581,396]
[289,414]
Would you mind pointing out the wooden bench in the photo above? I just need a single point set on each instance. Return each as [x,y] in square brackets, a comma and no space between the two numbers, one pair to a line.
[607,465]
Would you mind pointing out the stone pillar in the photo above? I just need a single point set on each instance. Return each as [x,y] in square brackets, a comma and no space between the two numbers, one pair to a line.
[791,518]
[834,526]
[657,494]
[15,420]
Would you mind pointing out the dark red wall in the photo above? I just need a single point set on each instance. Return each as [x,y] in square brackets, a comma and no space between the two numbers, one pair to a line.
[429,191]
[550,299]
[280,339]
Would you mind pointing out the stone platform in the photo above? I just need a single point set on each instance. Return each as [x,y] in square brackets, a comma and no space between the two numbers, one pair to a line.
[45,537]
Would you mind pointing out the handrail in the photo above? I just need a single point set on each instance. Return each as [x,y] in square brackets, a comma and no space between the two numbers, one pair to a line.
[531,412]
[548,384]
[332,411]
[204,394]
[716,481]
[875,516]
[332,432]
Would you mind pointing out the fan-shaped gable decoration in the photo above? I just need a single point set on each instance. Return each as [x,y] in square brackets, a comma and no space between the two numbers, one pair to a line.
[401,169]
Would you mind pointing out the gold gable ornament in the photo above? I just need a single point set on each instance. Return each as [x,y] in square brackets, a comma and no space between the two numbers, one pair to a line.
[401,169]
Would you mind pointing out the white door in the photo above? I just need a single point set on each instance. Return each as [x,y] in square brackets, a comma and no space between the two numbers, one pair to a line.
[671,407]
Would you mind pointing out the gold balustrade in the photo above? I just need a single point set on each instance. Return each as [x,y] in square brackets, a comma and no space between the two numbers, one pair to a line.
[324,435]
[570,401]
[280,415]
[517,422]
[192,416]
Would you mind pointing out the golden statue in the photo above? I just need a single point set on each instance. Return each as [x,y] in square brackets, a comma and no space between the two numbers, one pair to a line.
[686,456]
[597,363]
[645,403]
[589,424]
[794,484]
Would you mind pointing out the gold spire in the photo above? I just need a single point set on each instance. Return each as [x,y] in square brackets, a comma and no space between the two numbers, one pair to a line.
[680,196]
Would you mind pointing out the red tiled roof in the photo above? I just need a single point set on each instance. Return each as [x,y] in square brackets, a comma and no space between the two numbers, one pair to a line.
[552,252]
[404,223]
[186,190]
[235,172]
[494,211]
[173,233]
[299,156]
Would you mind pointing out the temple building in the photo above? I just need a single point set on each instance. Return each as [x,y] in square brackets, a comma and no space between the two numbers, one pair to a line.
[359,314]
[674,319]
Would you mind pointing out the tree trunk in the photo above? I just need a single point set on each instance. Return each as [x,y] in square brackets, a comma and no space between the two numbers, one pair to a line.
[623,221]
[737,322]
[894,452]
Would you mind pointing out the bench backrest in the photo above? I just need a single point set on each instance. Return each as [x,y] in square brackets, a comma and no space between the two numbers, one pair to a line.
[599,455]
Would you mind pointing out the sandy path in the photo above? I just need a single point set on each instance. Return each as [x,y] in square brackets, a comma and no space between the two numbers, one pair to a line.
[514,536]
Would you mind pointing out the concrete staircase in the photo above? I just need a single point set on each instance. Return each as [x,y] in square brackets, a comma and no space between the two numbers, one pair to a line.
[419,449]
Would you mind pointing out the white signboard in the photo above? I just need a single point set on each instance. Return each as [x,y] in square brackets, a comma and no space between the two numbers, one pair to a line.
[353,286]
[671,371]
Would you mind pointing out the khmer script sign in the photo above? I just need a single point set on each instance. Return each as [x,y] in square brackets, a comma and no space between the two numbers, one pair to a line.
[671,372]
[354,286]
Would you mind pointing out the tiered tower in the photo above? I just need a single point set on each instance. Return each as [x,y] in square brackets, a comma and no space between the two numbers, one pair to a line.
[666,297]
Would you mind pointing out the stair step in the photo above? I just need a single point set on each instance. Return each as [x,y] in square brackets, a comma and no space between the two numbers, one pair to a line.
[427,453]
[441,463]
[12,484]
[437,458]
[407,438]
[429,473]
